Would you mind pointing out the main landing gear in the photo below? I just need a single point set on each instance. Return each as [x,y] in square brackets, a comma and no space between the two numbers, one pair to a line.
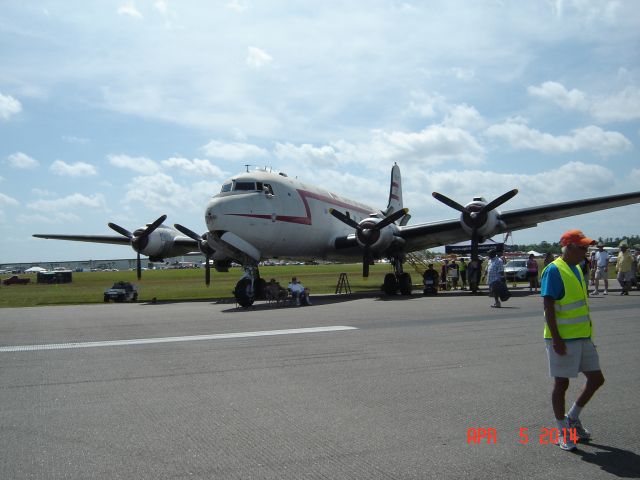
[399,281]
[250,287]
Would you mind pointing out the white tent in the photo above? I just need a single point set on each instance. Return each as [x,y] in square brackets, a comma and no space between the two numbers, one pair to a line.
[535,254]
[35,270]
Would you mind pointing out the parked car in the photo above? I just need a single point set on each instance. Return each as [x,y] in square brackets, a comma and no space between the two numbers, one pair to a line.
[15,280]
[121,292]
[516,270]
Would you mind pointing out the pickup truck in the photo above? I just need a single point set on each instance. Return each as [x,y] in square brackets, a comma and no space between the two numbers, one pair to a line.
[15,280]
[121,292]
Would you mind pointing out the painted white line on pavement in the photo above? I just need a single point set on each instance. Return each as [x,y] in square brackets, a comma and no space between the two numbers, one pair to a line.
[147,341]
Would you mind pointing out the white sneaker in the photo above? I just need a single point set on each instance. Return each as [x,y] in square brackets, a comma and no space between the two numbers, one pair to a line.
[565,442]
[582,433]
[569,446]
[605,293]
[595,292]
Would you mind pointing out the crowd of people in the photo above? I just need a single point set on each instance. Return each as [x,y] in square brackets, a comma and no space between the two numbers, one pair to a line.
[460,274]
[468,275]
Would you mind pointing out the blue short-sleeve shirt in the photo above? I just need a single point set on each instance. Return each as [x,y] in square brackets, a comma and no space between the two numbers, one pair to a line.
[551,283]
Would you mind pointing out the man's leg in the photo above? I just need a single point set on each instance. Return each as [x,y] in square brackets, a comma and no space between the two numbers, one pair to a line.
[594,382]
[560,386]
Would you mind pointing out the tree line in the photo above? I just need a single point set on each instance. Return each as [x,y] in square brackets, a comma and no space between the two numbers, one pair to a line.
[544,247]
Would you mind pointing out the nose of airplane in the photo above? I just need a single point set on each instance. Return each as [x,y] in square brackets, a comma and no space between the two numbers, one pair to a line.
[211,214]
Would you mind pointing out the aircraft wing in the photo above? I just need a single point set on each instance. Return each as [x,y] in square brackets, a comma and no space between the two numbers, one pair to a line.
[113,239]
[178,241]
[428,235]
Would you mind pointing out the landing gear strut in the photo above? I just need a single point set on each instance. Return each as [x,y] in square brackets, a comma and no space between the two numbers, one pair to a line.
[397,281]
[250,287]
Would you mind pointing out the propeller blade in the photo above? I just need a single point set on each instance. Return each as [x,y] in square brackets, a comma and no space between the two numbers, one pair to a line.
[500,200]
[344,219]
[366,259]
[138,267]
[189,233]
[154,225]
[120,230]
[474,244]
[391,218]
[207,271]
[447,201]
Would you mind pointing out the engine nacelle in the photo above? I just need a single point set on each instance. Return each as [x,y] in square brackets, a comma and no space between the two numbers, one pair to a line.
[377,240]
[487,223]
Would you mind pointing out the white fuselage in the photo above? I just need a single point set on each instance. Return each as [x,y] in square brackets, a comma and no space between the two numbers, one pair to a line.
[282,217]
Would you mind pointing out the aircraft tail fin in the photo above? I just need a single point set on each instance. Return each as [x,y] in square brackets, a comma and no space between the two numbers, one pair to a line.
[395,194]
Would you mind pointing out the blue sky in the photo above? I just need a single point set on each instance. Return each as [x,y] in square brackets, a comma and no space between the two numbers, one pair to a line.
[125,110]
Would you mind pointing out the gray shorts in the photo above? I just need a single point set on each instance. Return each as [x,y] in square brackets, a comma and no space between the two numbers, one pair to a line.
[600,273]
[581,356]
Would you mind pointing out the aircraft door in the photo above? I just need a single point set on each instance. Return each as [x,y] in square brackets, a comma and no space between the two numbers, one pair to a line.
[274,206]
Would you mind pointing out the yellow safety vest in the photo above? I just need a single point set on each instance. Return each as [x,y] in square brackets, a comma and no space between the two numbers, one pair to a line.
[572,310]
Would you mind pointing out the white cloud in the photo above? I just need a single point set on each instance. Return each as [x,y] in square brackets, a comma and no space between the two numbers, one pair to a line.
[623,106]
[591,138]
[137,164]
[196,166]
[78,169]
[425,105]
[8,106]
[325,156]
[7,200]
[130,10]
[22,161]
[237,6]
[257,58]
[161,6]
[73,201]
[557,93]
[465,117]
[158,192]
[434,145]
[75,140]
[233,151]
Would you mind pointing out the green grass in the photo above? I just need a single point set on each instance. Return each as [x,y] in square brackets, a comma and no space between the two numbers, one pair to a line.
[178,285]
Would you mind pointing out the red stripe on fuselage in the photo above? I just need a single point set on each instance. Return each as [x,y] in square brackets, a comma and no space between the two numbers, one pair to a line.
[304,194]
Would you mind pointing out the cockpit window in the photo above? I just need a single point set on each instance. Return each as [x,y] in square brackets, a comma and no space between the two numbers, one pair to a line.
[244,186]
[226,188]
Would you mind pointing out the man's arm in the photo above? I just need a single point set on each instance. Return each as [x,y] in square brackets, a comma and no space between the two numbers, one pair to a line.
[550,317]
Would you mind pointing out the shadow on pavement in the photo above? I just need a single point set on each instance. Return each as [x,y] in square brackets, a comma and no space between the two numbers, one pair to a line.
[616,461]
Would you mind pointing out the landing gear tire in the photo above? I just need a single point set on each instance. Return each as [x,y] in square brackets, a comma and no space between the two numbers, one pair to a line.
[390,286]
[405,284]
[244,293]
[260,289]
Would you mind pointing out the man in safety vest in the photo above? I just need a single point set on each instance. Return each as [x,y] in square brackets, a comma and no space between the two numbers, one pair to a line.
[568,333]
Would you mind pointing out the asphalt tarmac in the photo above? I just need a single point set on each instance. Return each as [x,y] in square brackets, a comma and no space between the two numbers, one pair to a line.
[169,391]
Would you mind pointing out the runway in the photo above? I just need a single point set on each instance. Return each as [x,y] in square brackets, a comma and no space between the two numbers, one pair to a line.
[350,388]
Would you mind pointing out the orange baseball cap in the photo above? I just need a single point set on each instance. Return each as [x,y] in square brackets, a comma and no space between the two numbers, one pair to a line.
[575,237]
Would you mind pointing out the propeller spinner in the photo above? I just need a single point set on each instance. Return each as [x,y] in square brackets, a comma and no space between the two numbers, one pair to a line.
[475,215]
[368,232]
[139,239]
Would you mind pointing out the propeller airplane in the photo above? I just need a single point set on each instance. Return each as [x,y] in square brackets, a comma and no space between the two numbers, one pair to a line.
[260,214]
